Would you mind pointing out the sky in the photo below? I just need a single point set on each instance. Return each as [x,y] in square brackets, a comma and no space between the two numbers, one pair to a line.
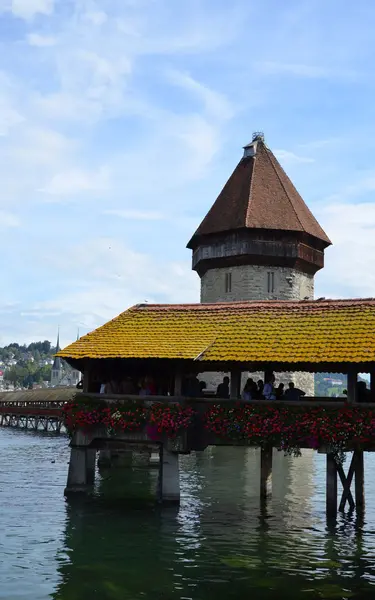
[121,120]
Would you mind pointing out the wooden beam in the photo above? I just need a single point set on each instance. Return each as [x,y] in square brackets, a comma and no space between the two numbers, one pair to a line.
[331,486]
[86,379]
[346,483]
[235,384]
[178,382]
[268,374]
[352,386]
[372,386]
[359,481]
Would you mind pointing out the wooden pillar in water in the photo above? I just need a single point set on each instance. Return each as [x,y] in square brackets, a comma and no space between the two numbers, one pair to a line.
[265,472]
[169,477]
[359,479]
[331,485]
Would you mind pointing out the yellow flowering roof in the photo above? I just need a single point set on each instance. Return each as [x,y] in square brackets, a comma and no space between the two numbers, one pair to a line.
[321,331]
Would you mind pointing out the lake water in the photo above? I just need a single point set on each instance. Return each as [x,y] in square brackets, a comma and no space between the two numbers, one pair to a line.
[219,544]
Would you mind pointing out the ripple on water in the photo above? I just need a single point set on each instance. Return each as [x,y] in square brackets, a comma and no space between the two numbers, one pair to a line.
[219,543]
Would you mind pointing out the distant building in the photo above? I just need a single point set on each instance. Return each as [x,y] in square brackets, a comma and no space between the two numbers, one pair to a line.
[63,375]
[57,372]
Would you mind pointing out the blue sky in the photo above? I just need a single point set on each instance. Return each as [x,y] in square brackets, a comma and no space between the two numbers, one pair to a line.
[120,121]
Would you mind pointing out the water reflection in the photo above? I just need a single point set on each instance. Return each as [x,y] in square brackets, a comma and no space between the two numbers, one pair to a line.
[221,543]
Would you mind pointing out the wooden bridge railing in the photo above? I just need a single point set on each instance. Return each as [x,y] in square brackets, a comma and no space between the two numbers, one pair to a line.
[306,401]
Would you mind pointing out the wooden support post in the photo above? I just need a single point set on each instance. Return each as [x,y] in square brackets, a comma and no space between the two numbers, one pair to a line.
[86,380]
[235,384]
[346,483]
[372,386]
[331,486]
[265,472]
[169,477]
[267,375]
[352,386]
[178,383]
[359,481]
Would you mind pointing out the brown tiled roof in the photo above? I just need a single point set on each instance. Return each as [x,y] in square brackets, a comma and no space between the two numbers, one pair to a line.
[308,332]
[260,195]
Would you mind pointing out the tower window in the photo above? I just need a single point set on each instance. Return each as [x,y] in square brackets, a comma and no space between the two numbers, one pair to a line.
[270,282]
[228,283]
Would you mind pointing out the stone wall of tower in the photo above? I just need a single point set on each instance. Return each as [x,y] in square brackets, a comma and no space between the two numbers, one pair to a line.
[250,282]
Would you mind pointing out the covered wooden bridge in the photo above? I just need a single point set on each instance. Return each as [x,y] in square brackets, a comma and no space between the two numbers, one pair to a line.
[40,410]
[169,342]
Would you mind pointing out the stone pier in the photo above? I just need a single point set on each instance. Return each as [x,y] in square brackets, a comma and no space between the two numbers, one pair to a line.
[81,470]
[125,453]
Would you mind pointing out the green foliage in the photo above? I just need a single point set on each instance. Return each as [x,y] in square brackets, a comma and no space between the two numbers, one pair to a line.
[26,374]
[325,388]
[27,371]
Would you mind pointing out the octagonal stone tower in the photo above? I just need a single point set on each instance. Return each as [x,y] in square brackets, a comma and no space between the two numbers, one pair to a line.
[259,240]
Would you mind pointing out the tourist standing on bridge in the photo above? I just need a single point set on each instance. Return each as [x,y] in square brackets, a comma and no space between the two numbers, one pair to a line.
[258,390]
[249,390]
[223,389]
[147,387]
[269,390]
[294,393]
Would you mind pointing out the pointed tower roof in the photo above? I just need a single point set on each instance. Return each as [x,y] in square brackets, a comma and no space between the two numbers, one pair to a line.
[259,195]
[57,360]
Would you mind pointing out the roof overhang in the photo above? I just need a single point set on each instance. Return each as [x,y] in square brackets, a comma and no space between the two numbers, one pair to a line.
[311,336]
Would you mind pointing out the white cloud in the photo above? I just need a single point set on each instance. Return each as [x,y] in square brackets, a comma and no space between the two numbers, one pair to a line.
[97,17]
[10,114]
[30,157]
[108,278]
[136,215]
[299,70]
[40,146]
[319,144]
[307,71]
[288,158]
[27,9]
[9,118]
[8,220]
[41,41]
[349,263]
[77,181]
[141,105]
[216,104]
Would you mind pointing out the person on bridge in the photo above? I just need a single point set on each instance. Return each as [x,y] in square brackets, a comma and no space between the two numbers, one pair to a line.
[293,393]
[249,390]
[223,389]
[269,390]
